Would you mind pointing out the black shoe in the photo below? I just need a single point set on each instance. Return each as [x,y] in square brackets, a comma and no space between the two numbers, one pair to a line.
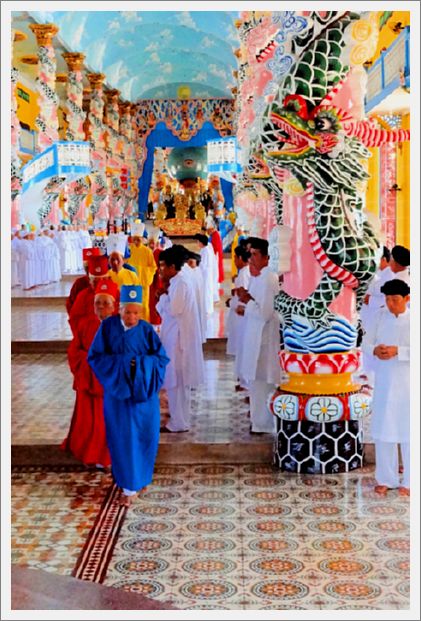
[166,430]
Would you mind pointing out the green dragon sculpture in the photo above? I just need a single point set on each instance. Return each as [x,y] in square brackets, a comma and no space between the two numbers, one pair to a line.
[324,149]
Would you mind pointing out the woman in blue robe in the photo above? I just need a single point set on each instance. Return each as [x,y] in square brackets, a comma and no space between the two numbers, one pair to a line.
[129,361]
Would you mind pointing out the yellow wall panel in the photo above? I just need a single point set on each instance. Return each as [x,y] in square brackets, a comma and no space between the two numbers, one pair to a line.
[373,190]
[403,198]
[27,111]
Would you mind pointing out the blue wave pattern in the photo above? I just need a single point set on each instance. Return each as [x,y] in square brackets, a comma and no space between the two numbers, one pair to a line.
[302,338]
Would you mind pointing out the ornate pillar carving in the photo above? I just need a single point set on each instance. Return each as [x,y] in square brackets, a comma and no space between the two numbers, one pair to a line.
[112,116]
[75,114]
[16,174]
[78,190]
[47,120]
[99,206]
[126,133]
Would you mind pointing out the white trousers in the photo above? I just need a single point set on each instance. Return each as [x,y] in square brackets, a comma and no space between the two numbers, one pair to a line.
[387,464]
[261,419]
[179,404]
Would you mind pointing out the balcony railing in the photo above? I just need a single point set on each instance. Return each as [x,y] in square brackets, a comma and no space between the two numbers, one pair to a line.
[390,71]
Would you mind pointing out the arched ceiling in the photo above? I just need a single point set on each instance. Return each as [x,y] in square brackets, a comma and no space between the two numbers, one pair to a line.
[150,54]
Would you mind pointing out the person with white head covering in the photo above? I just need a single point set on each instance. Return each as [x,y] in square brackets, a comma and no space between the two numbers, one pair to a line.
[27,260]
[15,242]
[142,259]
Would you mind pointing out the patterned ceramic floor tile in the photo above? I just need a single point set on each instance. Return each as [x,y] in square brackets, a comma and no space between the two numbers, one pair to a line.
[52,514]
[38,418]
[243,537]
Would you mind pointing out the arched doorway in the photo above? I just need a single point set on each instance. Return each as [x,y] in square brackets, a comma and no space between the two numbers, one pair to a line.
[161,136]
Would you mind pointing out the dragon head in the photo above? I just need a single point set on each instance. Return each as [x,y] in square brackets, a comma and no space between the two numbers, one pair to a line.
[292,132]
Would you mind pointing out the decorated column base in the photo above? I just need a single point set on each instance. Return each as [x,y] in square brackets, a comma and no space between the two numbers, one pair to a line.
[318,414]
[318,448]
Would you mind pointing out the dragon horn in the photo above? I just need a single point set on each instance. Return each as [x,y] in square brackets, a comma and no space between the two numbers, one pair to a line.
[371,136]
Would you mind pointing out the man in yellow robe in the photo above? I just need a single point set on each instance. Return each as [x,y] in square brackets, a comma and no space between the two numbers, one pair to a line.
[142,259]
[119,274]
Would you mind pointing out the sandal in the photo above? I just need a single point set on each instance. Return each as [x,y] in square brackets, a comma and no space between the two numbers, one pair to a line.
[381,489]
[404,491]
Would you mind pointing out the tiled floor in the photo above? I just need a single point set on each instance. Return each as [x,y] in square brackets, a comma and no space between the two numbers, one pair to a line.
[229,537]
[43,400]
[204,537]
[52,514]
[53,290]
[40,323]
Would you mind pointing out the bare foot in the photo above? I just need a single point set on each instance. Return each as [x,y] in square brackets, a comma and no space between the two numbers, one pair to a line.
[381,489]
[404,491]
[125,501]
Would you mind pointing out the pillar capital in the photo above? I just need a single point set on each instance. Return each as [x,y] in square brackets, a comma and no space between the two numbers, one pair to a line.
[44,33]
[74,60]
[112,94]
[124,107]
[96,79]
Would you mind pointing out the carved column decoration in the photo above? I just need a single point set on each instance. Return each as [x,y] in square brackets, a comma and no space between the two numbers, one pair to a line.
[99,206]
[16,175]
[77,190]
[47,120]
[126,131]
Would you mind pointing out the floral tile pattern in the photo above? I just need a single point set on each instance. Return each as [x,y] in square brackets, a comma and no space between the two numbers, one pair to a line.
[247,537]
[39,417]
[52,514]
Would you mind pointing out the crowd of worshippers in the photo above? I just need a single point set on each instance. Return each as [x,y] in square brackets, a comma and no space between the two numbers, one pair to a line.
[120,365]
[41,257]
[139,327]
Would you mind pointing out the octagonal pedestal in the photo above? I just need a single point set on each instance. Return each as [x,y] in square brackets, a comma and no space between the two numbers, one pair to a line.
[318,448]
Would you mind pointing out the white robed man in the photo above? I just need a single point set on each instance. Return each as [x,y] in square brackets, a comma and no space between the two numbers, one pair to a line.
[208,266]
[182,338]
[393,264]
[14,257]
[193,262]
[194,275]
[235,322]
[260,364]
[388,340]
[27,261]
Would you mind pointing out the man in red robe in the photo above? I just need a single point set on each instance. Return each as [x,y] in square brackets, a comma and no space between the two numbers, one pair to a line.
[86,438]
[83,281]
[84,303]
[216,242]
[156,285]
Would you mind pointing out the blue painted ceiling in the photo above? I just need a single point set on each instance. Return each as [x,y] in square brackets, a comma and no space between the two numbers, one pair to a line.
[150,54]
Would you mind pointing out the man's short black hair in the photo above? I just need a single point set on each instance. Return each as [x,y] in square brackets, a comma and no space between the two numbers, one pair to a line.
[386,253]
[182,250]
[242,253]
[172,257]
[194,255]
[401,255]
[203,239]
[260,244]
[395,287]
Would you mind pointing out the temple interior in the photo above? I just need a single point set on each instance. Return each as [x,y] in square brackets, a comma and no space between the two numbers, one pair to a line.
[287,126]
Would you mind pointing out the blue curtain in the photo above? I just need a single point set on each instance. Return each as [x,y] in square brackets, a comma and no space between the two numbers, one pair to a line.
[163,137]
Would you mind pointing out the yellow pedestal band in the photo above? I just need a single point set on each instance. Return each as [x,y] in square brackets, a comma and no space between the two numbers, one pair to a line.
[320,384]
